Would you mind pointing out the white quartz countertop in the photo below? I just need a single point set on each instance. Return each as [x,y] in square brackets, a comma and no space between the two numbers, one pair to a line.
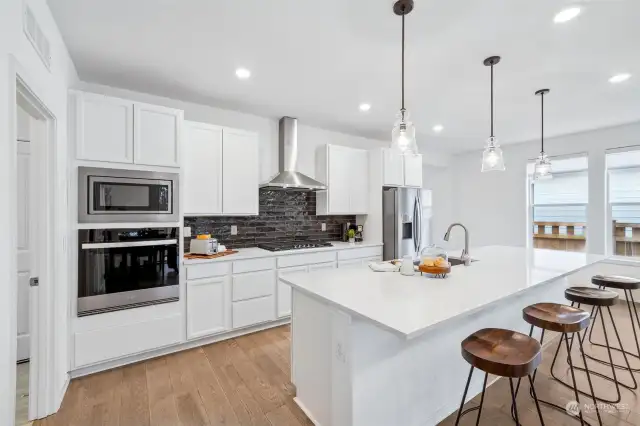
[409,305]
[255,252]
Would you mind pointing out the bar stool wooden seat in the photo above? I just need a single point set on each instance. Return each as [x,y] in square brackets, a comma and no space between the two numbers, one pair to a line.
[566,320]
[627,285]
[600,299]
[502,353]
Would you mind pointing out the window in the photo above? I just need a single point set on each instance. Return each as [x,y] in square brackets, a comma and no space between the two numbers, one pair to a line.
[558,206]
[623,172]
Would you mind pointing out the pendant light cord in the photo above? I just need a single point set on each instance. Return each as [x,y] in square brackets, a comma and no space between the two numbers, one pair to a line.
[403,68]
[492,99]
[542,122]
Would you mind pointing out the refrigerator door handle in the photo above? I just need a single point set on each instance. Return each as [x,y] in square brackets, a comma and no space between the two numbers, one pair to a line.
[416,226]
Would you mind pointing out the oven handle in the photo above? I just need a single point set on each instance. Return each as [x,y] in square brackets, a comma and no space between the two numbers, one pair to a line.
[89,246]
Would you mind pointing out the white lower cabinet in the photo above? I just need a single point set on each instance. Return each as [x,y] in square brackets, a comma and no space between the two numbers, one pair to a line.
[284,290]
[207,307]
[351,263]
[252,311]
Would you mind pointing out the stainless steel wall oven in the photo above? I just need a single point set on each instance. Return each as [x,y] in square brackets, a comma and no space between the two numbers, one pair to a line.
[126,268]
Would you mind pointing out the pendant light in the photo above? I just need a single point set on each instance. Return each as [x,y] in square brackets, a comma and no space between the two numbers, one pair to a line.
[492,158]
[403,136]
[542,169]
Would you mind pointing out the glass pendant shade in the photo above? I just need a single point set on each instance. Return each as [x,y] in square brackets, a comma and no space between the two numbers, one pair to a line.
[403,136]
[542,169]
[492,159]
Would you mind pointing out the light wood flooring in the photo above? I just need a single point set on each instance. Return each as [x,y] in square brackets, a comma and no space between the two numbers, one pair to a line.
[245,381]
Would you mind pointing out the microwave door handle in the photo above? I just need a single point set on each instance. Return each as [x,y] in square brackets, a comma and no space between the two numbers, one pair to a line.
[90,246]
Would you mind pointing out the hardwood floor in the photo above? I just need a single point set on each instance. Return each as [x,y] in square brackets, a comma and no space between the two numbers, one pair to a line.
[245,381]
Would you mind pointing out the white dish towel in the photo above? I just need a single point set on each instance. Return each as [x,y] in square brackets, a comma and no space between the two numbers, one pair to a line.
[383,267]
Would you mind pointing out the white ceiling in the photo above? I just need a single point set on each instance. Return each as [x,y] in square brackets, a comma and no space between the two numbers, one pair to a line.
[318,60]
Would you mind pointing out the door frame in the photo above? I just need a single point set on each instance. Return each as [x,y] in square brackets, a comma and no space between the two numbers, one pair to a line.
[43,394]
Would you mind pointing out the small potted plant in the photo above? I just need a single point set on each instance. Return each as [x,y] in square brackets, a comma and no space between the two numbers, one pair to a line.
[351,234]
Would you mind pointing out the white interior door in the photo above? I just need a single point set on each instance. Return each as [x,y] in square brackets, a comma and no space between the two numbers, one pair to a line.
[24,254]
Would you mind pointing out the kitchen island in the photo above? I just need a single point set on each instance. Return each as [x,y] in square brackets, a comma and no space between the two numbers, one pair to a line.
[373,348]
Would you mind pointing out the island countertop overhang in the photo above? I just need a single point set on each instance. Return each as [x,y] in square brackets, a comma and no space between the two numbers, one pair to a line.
[409,306]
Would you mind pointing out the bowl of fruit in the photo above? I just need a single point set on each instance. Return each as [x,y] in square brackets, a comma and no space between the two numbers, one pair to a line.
[434,262]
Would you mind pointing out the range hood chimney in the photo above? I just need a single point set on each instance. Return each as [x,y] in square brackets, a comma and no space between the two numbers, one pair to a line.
[289,178]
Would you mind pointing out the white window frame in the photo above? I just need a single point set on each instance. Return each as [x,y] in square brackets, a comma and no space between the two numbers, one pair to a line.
[610,244]
[530,182]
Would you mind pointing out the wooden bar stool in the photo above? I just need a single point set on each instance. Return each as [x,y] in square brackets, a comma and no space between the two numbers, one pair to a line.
[600,299]
[626,284]
[566,320]
[502,353]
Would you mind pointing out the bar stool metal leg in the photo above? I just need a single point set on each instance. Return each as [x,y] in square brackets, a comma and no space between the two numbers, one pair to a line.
[464,395]
[634,321]
[513,401]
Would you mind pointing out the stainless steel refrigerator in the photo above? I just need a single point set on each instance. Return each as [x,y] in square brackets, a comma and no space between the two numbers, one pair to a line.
[402,222]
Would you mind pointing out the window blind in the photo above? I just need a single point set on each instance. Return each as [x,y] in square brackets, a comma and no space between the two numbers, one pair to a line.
[565,188]
[624,185]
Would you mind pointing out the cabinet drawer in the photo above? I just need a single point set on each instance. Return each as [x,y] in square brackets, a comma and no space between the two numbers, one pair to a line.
[105,344]
[322,266]
[206,270]
[253,284]
[251,265]
[359,253]
[254,311]
[306,259]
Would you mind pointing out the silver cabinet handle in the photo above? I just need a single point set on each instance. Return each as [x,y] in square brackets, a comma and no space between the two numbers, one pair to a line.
[89,246]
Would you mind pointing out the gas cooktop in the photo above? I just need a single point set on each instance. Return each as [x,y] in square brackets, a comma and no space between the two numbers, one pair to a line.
[294,245]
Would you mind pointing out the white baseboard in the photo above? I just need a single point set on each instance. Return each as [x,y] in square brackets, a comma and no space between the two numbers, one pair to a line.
[119,362]
[306,411]
[62,392]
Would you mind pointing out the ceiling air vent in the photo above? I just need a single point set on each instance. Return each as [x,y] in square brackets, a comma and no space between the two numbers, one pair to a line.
[36,37]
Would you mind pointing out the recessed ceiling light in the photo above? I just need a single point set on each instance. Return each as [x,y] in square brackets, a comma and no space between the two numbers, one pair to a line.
[566,15]
[438,128]
[243,73]
[364,107]
[619,78]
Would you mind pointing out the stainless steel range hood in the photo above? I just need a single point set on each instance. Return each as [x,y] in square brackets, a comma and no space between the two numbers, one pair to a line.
[288,177]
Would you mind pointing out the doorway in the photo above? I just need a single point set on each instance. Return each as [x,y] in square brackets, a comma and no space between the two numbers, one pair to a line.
[25,191]
[33,345]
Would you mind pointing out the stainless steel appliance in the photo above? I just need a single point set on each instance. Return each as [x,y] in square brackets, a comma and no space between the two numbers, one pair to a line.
[294,245]
[126,268]
[114,195]
[288,177]
[402,220]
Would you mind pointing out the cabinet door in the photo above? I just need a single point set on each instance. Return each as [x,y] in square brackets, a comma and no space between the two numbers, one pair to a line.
[359,182]
[413,170]
[156,133]
[322,266]
[104,128]
[208,306]
[392,168]
[352,263]
[202,169]
[339,186]
[284,291]
[240,172]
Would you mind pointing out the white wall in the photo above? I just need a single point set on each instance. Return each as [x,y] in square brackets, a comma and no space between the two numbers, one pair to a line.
[51,88]
[493,205]
[440,181]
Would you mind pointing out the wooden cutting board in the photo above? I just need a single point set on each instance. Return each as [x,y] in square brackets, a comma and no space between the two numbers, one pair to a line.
[209,256]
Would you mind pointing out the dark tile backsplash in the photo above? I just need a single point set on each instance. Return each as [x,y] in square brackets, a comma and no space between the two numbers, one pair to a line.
[283,216]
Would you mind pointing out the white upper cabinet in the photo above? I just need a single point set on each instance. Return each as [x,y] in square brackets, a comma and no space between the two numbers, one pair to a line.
[104,128]
[401,170]
[157,132]
[393,168]
[122,131]
[240,172]
[413,170]
[345,171]
[202,171]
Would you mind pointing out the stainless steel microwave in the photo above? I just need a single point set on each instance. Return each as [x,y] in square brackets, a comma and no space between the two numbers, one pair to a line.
[115,196]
